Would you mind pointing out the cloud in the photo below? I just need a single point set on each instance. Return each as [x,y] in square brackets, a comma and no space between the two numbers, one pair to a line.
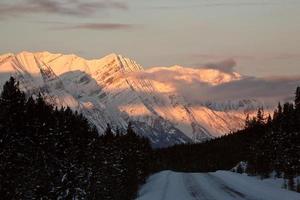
[99,26]
[227,62]
[220,84]
[224,66]
[274,56]
[269,89]
[59,7]
[214,57]
[226,3]
[238,4]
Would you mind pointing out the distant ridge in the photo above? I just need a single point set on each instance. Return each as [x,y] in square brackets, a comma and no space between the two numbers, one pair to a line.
[113,90]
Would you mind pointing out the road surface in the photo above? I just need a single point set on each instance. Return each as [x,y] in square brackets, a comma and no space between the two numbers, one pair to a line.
[221,185]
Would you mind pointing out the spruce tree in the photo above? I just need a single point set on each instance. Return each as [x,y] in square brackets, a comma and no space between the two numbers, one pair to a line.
[297,109]
[13,158]
[247,121]
[260,116]
[297,98]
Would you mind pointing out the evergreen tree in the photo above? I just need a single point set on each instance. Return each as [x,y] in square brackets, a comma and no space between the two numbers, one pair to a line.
[297,98]
[108,131]
[260,118]
[130,132]
[247,121]
[269,120]
[13,160]
[239,169]
[297,109]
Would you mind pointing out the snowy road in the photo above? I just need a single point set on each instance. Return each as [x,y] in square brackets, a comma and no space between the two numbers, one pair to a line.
[221,185]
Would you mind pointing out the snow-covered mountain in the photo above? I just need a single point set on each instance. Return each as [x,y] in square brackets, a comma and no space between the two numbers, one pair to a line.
[116,90]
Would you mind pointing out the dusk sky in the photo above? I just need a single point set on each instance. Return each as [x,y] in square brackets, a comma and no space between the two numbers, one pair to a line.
[262,36]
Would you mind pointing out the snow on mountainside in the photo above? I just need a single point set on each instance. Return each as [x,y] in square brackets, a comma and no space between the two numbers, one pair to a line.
[116,90]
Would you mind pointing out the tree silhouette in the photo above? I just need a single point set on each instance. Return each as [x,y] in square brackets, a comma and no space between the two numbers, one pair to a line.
[54,153]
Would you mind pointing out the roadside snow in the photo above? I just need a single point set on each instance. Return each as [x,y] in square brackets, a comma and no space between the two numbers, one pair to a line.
[220,185]
[265,189]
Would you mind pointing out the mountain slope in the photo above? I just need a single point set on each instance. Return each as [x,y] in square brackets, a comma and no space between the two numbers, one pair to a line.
[115,90]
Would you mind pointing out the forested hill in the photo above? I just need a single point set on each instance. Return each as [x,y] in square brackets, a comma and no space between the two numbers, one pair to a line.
[267,144]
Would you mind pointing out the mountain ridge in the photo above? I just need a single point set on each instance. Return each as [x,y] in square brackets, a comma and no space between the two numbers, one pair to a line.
[115,89]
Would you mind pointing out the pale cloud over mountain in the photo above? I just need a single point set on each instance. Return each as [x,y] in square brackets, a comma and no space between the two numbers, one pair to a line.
[219,82]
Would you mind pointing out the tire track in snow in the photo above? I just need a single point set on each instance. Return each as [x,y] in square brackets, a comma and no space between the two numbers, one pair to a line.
[166,185]
[229,190]
[194,189]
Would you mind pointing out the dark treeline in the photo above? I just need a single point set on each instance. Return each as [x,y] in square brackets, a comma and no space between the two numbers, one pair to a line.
[51,153]
[267,144]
